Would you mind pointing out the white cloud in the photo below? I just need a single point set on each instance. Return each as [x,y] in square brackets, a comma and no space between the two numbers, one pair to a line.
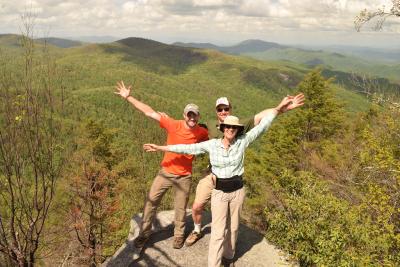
[211,2]
[258,8]
[233,18]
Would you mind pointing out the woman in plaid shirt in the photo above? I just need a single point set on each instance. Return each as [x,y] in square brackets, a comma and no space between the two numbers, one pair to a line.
[227,159]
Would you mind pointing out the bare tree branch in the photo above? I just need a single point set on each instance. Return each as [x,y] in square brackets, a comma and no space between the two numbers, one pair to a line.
[380,15]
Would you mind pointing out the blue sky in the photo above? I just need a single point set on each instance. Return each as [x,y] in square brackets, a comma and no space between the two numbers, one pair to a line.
[224,22]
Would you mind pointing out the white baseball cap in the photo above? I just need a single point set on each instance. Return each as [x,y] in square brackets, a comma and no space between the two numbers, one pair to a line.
[222,101]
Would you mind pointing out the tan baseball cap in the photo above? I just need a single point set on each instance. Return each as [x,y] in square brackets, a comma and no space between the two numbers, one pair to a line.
[191,108]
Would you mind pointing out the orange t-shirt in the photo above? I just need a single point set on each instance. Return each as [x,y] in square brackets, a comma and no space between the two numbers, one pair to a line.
[177,133]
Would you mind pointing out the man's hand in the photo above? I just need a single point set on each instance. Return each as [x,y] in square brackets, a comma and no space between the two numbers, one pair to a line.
[290,102]
[122,90]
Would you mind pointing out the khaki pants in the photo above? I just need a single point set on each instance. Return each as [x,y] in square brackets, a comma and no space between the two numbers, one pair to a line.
[225,211]
[204,189]
[161,184]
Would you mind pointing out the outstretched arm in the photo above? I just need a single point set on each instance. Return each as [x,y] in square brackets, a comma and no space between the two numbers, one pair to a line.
[191,149]
[288,103]
[124,92]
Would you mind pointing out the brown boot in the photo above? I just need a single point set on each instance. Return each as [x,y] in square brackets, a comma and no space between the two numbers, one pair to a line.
[178,242]
[193,238]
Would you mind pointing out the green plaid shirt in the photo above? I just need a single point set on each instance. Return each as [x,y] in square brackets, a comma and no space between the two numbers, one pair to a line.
[226,163]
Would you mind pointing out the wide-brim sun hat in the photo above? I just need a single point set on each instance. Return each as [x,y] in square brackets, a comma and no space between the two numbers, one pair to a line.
[231,120]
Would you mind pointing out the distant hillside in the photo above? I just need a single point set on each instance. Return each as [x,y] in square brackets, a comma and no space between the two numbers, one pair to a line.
[63,43]
[199,45]
[311,58]
[331,60]
[155,56]
[174,75]
[358,83]
[247,46]
[14,43]
[250,46]
[10,40]
[95,39]
[180,71]
[382,54]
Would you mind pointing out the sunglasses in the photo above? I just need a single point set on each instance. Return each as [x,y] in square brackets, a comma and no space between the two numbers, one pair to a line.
[223,109]
[234,127]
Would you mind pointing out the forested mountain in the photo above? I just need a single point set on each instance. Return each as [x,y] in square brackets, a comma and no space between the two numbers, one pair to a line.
[322,183]
[9,40]
[335,61]
[390,55]
[60,42]
[247,46]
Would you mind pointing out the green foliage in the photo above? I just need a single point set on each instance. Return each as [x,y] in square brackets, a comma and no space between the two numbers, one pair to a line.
[322,114]
[323,201]
[321,229]
[268,80]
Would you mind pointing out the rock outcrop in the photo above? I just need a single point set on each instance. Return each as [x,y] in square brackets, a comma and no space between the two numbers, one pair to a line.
[252,248]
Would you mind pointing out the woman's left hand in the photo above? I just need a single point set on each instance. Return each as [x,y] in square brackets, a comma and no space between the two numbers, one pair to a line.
[290,102]
[150,147]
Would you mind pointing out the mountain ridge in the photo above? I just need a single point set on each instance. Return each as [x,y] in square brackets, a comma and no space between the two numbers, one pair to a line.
[60,42]
[335,60]
[250,45]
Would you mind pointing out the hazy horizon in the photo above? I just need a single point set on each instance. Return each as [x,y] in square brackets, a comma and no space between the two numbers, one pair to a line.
[106,39]
[221,22]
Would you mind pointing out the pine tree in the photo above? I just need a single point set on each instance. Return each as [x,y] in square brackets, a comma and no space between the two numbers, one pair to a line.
[94,193]
[321,116]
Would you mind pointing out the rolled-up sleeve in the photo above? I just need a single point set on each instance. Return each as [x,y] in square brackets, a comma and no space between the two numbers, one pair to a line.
[264,124]
[192,149]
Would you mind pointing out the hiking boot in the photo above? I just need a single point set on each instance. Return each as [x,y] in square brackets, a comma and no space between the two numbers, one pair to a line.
[227,262]
[193,238]
[140,241]
[178,242]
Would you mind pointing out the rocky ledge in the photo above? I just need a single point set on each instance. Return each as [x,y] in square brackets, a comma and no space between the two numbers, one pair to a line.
[252,248]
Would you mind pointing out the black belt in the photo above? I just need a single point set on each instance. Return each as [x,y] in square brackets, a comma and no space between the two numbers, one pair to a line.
[231,184]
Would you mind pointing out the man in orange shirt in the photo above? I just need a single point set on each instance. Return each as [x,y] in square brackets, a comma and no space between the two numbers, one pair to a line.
[176,169]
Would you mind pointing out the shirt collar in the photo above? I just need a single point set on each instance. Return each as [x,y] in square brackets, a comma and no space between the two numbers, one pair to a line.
[222,144]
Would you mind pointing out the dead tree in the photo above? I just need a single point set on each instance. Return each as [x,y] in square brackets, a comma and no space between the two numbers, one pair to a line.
[94,194]
[374,90]
[29,152]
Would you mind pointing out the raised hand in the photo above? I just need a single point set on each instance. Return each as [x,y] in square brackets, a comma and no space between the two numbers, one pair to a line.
[290,102]
[297,101]
[122,90]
